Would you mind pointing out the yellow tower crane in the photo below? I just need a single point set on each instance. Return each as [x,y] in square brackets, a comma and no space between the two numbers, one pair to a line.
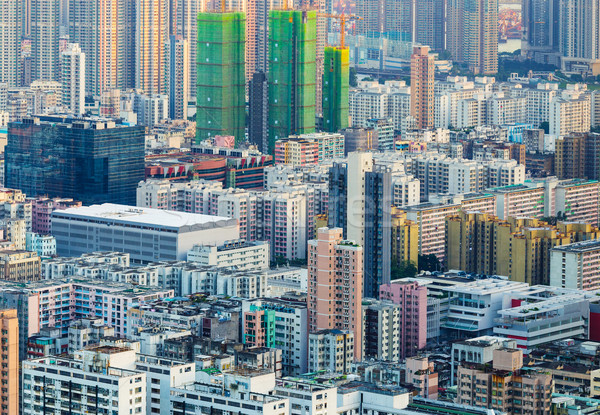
[343,18]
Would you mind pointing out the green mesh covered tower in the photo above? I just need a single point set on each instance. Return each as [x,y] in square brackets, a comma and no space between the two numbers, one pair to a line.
[220,95]
[292,73]
[336,80]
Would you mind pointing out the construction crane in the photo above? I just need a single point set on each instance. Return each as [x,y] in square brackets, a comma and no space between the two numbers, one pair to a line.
[343,18]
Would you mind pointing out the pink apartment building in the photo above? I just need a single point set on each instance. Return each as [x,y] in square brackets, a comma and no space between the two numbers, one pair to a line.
[41,211]
[335,280]
[413,320]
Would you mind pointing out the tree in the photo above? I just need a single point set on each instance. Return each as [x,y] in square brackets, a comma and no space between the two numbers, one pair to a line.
[429,263]
[404,269]
[353,81]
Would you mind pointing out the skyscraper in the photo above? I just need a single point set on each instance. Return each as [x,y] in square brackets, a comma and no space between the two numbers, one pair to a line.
[10,41]
[45,36]
[336,78]
[335,276]
[95,161]
[472,34]
[292,73]
[221,97]
[73,79]
[179,54]
[151,37]
[422,70]
[378,232]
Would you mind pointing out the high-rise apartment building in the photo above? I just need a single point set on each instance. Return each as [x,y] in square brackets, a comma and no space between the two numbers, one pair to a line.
[9,372]
[292,73]
[579,38]
[576,266]
[335,270]
[94,161]
[220,95]
[472,34]
[258,123]
[335,88]
[151,44]
[430,24]
[540,36]
[393,16]
[10,41]
[378,228]
[518,247]
[73,79]
[179,77]
[100,27]
[44,40]
[358,165]
[421,87]
[412,322]
[184,20]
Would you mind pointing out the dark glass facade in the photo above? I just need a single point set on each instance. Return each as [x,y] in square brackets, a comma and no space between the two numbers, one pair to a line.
[91,160]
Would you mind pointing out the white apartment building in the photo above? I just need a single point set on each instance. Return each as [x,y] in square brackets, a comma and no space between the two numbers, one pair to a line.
[519,200]
[73,79]
[162,375]
[146,234]
[203,398]
[234,254]
[465,176]
[102,378]
[87,332]
[290,331]
[44,245]
[578,200]
[538,101]
[504,173]
[331,350]
[307,398]
[406,190]
[575,266]
[189,197]
[472,112]
[504,110]
[595,108]
[570,113]
[371,100]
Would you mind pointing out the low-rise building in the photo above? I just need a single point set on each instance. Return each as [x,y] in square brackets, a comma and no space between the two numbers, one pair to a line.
[507,386]
[104,378]
[331,350]
[478,350]
[420,373]
[110,227]
[20,266]
[234,254]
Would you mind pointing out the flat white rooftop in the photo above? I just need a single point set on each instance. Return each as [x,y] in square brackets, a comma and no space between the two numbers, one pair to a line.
[489,286]
[143,216]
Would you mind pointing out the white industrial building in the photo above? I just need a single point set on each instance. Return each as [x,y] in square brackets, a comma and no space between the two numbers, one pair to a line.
[146,234]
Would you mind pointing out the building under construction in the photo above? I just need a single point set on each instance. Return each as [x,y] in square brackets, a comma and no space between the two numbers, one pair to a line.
[336,79]
[221,95]
[292,73]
